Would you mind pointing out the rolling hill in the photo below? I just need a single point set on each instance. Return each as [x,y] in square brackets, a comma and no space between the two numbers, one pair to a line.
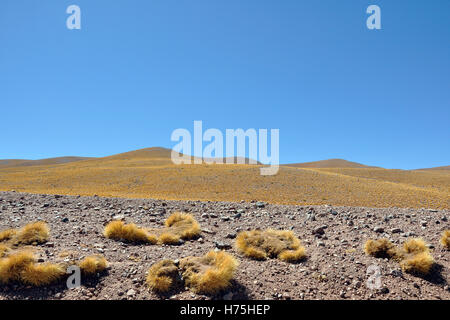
[150,173]
[330,163]
[41,162]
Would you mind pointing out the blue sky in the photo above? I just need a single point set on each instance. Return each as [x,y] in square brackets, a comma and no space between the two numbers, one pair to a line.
[137,70]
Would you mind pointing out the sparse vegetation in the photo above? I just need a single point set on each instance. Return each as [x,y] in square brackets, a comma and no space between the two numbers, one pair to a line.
[445,240]
[208,274]
[159,178]
[259,245]
[93,264]
[163,276]
[118,230]
[177,226]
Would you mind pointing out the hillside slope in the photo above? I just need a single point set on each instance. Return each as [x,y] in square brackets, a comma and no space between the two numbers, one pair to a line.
[330,163]
[148,173]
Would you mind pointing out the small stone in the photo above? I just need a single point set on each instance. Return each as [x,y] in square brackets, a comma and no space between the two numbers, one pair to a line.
[396,230]
[131,292]
[378,229]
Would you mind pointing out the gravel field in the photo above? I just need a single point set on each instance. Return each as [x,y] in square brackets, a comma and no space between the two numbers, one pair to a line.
[335,268]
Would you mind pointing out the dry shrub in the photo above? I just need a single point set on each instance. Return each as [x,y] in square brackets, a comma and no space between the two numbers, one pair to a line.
[32,233]
[42,273]
[414,257]
[6,235]
[12,266]
[183,225]
[3,250]
[118,230]
[93,264]
[21,266]
[271,243]
[445,240]
[382,248]
[414,246]
[208,274]
[163,276]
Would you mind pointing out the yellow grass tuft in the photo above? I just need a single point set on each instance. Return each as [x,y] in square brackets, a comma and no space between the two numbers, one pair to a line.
[93,264]
[4,250]
[208,274]
[12,266]
[7,234]
[414,246]
[118,230]
[418,263]
[42,274]
[414,257]
[381,248]
[163,276]
[32,233]
[271,243]
[183,225]
[168,238]
[445,240]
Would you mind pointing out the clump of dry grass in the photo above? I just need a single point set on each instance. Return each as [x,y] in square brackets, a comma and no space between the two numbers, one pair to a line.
[21,266]
[93,264]
[118,230]
[42,273]
[12,266]
[6,235]
[4,249]
[418,263]
[260,245]
[177,226]
[417,257]
[414,257]
[445,240]
[163,276]
[208,274]
[382,248]
[32,233]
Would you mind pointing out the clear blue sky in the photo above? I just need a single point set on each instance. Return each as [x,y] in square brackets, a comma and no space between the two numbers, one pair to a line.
[137,70]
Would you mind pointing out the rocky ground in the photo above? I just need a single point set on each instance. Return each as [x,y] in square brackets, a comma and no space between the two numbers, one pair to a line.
[336,267]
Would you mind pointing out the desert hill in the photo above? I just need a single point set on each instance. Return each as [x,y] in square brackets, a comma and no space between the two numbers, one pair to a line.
[329,163]
[150,173]
[40,162]
[437,168]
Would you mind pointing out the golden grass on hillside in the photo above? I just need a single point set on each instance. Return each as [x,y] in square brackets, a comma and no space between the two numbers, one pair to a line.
[381,248]
[152,175]
[208,274]
[118,230]
[282,244]
[93,264]
[163,276]
[445,240]
[414,257]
